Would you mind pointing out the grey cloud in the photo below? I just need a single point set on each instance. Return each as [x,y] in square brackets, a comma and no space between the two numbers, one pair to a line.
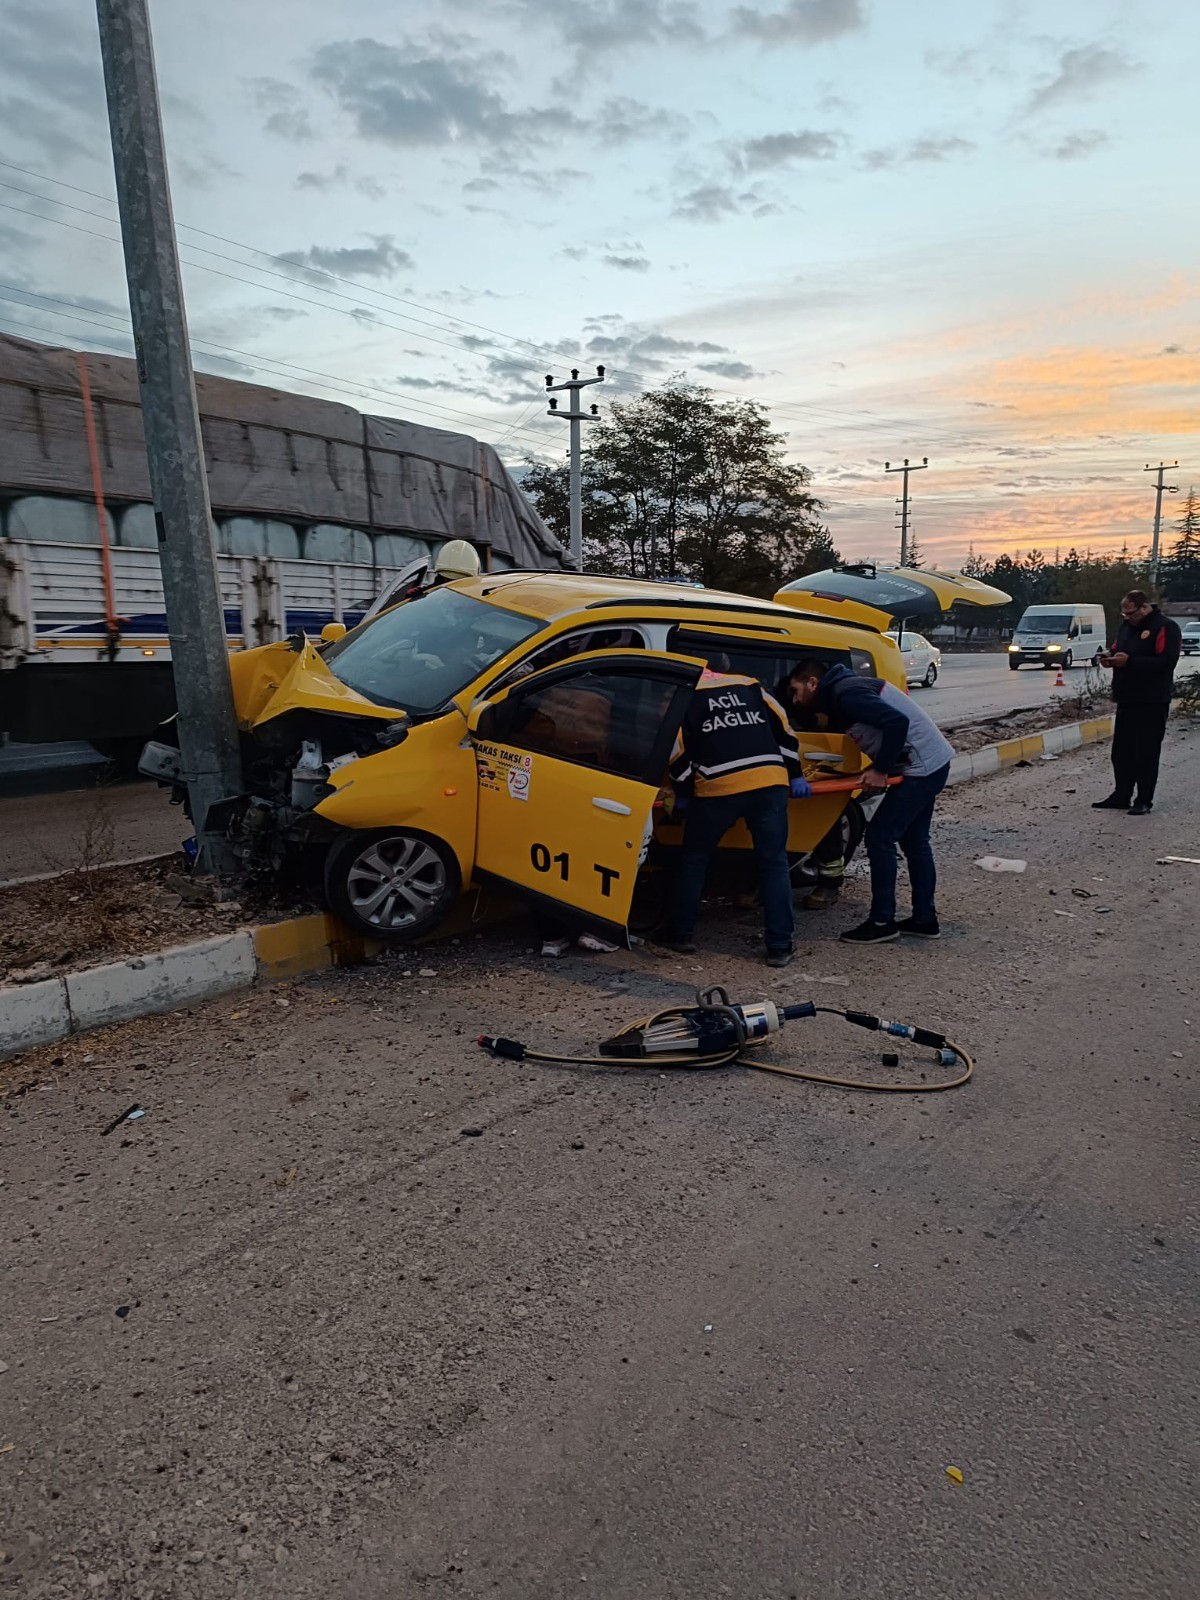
[285,109]
[1172,350]
[38,124]
[1078,145]
[621,120]
[1079,72]
[627,263]
[602,27]
[481,186]
[737,371]
[339,178]
[380,259]
[921,150]
[781,149]
[45,49]
[411,96]
[800,21]
[646,352]
[708,202]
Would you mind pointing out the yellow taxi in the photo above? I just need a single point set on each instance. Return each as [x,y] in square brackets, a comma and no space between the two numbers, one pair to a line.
[514,729]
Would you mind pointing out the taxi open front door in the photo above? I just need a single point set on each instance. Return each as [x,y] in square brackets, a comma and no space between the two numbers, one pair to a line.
[569,762]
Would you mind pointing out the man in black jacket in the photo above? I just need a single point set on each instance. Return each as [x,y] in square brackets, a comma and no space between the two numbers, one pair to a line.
[1143,667]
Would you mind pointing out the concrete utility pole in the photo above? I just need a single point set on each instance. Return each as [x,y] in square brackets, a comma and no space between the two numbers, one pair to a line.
[208,737]
[905,469]
[575,416]
[1160,488]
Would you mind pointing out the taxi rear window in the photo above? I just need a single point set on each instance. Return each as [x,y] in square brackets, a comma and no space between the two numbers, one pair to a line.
[418,656]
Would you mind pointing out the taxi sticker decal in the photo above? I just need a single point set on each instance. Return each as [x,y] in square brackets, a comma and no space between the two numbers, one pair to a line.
[518,782]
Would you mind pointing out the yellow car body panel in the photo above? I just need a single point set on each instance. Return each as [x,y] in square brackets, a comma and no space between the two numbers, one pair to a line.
[428,783]
[308,685]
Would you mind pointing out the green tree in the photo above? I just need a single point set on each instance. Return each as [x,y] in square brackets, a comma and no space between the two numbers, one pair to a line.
[1182,569]
[679,485]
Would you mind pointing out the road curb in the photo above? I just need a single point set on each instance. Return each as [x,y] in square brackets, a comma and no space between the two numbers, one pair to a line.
[994,758]
[42,1013]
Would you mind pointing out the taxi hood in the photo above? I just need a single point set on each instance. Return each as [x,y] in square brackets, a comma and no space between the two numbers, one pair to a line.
[291,676]
[882,596]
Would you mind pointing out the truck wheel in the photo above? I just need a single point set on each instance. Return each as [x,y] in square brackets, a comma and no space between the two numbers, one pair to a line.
[393,884]
[1014,666]
[1068,661]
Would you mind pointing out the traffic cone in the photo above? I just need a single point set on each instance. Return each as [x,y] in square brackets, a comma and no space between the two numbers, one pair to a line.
[1060,682]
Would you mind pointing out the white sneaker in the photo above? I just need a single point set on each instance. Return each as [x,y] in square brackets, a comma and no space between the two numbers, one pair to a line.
[553,948]
[591,941]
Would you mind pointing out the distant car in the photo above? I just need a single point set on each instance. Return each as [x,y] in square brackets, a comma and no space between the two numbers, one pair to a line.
[1190,632]
[922,660]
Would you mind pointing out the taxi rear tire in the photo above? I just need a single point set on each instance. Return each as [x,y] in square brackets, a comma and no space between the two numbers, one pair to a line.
[391,884]
[931,676]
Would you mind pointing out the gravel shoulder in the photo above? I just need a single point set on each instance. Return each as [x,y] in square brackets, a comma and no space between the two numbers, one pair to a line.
[295,1333]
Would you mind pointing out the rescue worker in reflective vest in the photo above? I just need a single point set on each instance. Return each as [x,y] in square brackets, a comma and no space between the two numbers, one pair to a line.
[1143,667]
[735,757]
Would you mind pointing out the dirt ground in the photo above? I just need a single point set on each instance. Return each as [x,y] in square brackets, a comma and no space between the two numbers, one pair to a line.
[355,1311]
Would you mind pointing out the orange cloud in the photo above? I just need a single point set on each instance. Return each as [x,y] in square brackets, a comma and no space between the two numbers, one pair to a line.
[1097,391]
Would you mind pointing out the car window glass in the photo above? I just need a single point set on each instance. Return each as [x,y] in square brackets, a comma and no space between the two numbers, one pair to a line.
[568,645]
[616,722]
[420,655]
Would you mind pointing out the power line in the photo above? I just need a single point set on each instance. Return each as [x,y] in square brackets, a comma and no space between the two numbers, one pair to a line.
[271,365]
[387,294]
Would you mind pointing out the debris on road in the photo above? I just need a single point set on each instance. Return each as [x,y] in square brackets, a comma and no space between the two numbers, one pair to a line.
[122,1312]
[1000,864]
[126,1116]
[288,1177]
[472,1133]
[954,1474]
[1178,861]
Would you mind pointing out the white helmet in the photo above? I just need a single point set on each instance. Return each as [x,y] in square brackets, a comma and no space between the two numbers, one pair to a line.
[456,560]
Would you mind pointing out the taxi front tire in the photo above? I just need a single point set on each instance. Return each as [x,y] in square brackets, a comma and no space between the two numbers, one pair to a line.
[391,884]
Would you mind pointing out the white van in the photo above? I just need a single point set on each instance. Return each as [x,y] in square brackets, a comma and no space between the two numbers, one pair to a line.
[1065,632]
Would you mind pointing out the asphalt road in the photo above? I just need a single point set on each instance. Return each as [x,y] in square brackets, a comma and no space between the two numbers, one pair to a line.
[356,1313]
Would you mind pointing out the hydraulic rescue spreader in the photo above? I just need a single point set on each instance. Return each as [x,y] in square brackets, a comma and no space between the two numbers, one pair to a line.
[716,1033]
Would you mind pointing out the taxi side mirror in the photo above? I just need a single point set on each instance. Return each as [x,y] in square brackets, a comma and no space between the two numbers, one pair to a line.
[332,632]
[482,721]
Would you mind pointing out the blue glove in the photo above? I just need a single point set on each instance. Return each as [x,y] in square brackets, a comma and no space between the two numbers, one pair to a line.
[801,788]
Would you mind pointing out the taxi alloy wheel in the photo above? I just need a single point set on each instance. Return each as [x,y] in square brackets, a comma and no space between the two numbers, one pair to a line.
[393,883]
[931,675]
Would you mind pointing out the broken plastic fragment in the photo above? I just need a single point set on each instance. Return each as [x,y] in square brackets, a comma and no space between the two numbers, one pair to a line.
[954,1474]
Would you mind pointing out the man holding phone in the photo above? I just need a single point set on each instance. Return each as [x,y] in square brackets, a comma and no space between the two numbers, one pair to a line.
[1143,667]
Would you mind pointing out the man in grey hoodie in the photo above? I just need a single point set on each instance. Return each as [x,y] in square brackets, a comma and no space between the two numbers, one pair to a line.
[901,740]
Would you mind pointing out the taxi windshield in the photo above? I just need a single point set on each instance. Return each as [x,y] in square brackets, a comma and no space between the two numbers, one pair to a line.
[420,655]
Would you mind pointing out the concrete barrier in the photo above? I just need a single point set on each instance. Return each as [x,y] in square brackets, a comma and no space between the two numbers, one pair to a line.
[33,1014]
[40,1013]
[162,980]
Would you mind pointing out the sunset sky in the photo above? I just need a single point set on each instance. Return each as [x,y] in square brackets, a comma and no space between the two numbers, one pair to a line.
[967,232]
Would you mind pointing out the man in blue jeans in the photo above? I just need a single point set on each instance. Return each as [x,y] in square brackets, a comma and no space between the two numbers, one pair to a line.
[901,740]
[735,757]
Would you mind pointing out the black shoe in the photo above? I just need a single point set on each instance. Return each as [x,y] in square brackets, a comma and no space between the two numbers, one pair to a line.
[781,958]
[920,930]
[1140,808]
[871,933]
[681,947]
[1112,802]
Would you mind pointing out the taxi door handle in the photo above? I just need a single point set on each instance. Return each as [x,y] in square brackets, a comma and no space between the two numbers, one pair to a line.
[614,806]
